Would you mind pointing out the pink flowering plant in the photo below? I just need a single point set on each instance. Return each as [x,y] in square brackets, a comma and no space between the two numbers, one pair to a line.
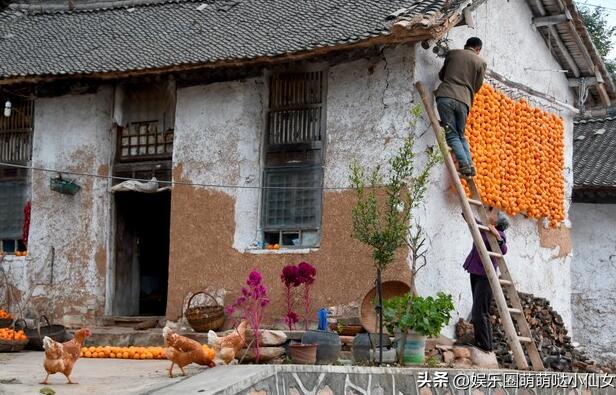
[290,279]
[294,276]
[251,304]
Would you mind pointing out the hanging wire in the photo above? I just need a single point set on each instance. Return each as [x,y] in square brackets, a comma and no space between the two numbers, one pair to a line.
[518,94]
[170,183]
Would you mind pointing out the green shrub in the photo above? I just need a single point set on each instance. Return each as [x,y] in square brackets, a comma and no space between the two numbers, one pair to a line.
[426,316]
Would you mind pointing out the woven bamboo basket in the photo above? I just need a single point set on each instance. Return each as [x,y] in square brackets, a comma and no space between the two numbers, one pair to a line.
[205,317]
[5,322]
[12,345]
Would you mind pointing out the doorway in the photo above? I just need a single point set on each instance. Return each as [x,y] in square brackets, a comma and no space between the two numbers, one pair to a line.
[141,253]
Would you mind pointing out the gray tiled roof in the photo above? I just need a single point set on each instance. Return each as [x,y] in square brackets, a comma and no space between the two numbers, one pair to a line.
[594,153]
[114,36]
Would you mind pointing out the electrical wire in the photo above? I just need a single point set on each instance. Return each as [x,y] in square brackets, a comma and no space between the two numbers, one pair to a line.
[169,183]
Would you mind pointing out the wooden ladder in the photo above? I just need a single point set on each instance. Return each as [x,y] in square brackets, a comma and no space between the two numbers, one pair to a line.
[503,287]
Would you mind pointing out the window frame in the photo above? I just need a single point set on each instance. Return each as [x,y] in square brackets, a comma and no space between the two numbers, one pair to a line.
[22,178]
[143,157]
[305,165]
[19,126]
[15,129]
[318,208]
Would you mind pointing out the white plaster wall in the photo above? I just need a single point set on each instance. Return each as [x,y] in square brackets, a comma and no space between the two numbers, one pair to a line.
[217,140]
[219,129]
[71,133]
[593,270]
[513,49]
[219,134]
[368,103]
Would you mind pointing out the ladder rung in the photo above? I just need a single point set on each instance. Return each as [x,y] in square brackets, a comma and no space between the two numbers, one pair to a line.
[495,254]
[515,338]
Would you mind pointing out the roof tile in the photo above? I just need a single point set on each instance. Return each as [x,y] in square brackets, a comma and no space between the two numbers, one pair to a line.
[177,32]
[594,153]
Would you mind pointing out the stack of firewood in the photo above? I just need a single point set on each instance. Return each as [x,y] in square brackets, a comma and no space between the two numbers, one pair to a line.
[547,326]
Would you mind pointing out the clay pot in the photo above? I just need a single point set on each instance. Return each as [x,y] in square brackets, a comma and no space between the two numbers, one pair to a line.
[303,354]
[328,345]
[367,313]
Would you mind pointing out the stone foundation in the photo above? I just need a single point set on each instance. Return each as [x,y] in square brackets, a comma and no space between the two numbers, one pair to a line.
[346,380]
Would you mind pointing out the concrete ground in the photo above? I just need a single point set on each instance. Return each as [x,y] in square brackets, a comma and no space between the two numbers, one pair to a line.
[20,373]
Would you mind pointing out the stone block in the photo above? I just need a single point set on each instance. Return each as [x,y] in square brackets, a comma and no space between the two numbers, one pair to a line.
[267,354]
[463,363]
[462,352]
[448,356]
[269,338]
[482,359]
[148,339]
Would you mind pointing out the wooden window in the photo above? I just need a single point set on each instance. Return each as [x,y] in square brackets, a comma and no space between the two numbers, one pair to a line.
[16,132]
[143,140]
[296,108]
[293,174]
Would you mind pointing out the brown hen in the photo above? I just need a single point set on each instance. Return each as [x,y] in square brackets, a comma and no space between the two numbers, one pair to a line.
[227,347]
[61,357]
[183,351]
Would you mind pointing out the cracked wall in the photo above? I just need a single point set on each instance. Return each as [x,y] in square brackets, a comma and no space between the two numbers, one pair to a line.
[218,140]
[594,278]
[68,234]
[539,261]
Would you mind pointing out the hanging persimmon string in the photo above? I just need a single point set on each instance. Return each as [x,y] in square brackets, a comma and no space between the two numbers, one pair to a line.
[518,152]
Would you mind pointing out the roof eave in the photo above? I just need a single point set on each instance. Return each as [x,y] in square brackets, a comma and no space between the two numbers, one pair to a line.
[579,53]
[401,31]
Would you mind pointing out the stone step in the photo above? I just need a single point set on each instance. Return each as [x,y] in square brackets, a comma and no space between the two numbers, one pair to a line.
[129,321]
[118,336]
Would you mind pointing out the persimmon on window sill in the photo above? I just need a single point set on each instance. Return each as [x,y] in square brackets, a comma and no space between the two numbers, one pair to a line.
[281,251]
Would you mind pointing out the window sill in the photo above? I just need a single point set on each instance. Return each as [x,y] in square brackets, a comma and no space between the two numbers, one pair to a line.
[282,251]
[14,258]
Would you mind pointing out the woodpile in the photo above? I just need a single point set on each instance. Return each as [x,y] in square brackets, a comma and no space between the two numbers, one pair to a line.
[549,332]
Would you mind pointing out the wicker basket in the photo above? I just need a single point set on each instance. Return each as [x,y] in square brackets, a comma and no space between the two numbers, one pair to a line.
[36,335]
[5,322]
[207,317]
[12,345]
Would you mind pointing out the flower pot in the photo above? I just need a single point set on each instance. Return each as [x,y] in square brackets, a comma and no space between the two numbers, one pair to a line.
[363,343]
[329,345]
[414,348]
[390,355]
[303,354]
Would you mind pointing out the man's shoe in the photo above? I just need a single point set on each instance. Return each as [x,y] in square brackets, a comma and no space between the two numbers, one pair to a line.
[466,171]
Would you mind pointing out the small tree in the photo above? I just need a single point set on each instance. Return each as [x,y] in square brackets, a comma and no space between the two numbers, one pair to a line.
[382,214]
[417,254]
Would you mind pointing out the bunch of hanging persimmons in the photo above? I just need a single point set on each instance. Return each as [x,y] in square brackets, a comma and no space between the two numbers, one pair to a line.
[518,152]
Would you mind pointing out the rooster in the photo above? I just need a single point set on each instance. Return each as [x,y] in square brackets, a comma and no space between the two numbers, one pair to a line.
[228,346]
[182,351]
[61,357]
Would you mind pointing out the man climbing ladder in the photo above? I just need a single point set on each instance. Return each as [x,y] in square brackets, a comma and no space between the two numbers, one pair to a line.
[507,313]
[462,76]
